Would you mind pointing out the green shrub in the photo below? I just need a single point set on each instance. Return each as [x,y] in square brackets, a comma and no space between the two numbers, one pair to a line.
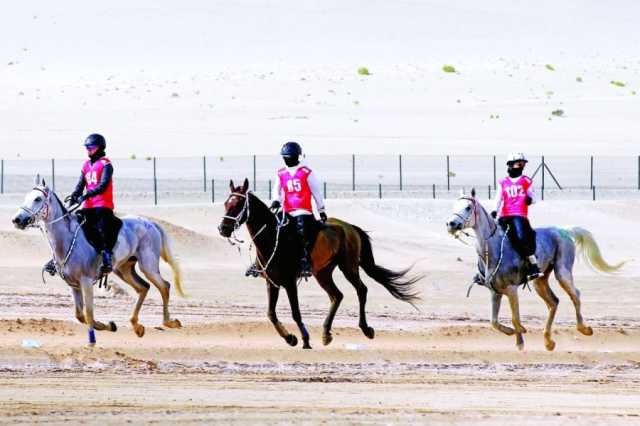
[550,67]
[132,157]
[579,79]
[557,112]
[617,83]
[449,68]
[363,71]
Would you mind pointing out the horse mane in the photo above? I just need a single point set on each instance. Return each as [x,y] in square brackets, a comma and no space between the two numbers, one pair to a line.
[60,203]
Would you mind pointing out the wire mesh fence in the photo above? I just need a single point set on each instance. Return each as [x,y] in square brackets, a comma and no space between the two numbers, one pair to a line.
[206,179]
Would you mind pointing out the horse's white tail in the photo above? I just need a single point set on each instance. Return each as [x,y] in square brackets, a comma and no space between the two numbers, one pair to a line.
[588,248]
[167,255]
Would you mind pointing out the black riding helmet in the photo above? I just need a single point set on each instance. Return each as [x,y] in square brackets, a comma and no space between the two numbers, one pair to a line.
[95,139]
[291,153]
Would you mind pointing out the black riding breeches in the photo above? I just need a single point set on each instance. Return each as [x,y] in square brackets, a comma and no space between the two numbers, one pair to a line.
[521,235]
[303,225]
[101,221]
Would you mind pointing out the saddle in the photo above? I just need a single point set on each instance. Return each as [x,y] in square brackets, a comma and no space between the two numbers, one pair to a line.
[93,236]
[312,230]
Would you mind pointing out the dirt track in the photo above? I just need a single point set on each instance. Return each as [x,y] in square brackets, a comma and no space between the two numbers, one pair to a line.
[442,365]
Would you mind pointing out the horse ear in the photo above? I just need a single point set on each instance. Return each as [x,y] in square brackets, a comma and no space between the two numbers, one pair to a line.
[37,179]
[245,185]
[231,187]
[473,193]
[44,184]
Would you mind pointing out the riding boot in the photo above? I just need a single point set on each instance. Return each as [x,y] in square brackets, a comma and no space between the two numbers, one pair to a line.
[107,265]
[50,268]
[305,261]
[534,269]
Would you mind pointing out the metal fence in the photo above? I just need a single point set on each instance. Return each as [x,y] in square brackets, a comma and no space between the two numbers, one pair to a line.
[205,179]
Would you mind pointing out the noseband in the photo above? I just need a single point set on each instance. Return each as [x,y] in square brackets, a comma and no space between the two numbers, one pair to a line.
[42,213]
[238,219]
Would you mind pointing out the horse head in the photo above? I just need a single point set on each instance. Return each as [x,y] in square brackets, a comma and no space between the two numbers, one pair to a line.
[36,205]
[236,209]
[465,213]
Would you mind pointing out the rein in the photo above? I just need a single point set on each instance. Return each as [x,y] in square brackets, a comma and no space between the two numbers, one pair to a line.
[238,220]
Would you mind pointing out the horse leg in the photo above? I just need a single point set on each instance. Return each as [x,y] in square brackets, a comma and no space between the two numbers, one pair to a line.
[353,276]
[496,298]
[565,278]
[325,280]
[77,300]
[151,269]
[544,291]
[512,294]
[292,294]
[272,293]
[86,288]
[127,273]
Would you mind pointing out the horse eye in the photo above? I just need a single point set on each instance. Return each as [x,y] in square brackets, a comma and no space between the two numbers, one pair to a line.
[468,208]
[38,199]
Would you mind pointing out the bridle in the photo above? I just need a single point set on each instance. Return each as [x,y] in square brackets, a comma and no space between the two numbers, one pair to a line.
[466,221]
[240,218]
[38,219]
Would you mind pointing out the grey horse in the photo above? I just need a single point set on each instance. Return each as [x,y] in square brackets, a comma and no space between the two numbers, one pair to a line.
[503,269]
[140,241]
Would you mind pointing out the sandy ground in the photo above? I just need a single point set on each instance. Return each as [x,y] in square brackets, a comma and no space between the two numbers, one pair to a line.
[440,365]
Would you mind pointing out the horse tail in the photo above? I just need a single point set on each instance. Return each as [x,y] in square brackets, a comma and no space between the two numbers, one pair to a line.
[394,281]
[587,247]
[167,255]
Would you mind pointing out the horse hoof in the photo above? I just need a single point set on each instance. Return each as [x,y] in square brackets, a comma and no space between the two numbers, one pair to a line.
[587,331]
[139,330]
[306,346]
[369,332]
[291,340]
[326,339]
[174,323]
[112,326]
[550,345]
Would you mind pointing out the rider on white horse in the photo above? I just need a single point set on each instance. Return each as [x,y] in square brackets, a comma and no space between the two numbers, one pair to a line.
[513,201]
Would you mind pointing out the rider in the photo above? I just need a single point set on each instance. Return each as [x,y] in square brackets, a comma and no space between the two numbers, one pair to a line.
[513,201]
[96,178]
[294,187]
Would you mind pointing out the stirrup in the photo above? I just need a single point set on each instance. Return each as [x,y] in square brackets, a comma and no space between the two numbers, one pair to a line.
[305,269]
[252,271]
[50,268]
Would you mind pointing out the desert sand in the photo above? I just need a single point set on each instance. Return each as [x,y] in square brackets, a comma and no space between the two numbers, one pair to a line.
[442,364]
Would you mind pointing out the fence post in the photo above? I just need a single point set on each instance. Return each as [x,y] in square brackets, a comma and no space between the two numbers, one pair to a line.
[213,191]
[254,173]
[269,195]
[543,167]
[591,185]
[204,172]
[448,175]
[638,172]
[380,190]
[324,189]
[53,174]
[155,183]
[489,188]
[434,191]
[593,189]
[2,176]
[494,174]
[400,169]
[353,172]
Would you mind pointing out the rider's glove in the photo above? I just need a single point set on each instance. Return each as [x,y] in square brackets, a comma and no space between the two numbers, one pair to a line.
[275,206]
[494,214]
[528,201]
[323,217]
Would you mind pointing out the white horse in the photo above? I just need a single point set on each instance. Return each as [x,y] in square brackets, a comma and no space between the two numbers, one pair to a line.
[139,241]
[503,269]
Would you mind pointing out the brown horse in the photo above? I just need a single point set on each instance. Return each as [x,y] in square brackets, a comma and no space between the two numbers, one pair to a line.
[337,244]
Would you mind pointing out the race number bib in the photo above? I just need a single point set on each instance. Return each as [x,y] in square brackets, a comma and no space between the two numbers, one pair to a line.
[514,191]
[91,178]
[293,185]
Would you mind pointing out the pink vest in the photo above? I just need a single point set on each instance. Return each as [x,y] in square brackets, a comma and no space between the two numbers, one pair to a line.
[297,193]
[92,174]
[514,195]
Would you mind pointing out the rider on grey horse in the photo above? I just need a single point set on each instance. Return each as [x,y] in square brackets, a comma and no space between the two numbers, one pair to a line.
[512,201]
[97,178]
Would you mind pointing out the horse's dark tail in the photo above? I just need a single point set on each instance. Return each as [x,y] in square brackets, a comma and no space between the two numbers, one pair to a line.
[395,282]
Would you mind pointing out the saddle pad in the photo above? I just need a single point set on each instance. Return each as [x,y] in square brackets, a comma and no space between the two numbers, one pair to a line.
[94,238]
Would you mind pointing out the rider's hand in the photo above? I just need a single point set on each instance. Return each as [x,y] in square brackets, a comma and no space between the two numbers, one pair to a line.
[494,214]
[323,217]
[275,206]
[528,201]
